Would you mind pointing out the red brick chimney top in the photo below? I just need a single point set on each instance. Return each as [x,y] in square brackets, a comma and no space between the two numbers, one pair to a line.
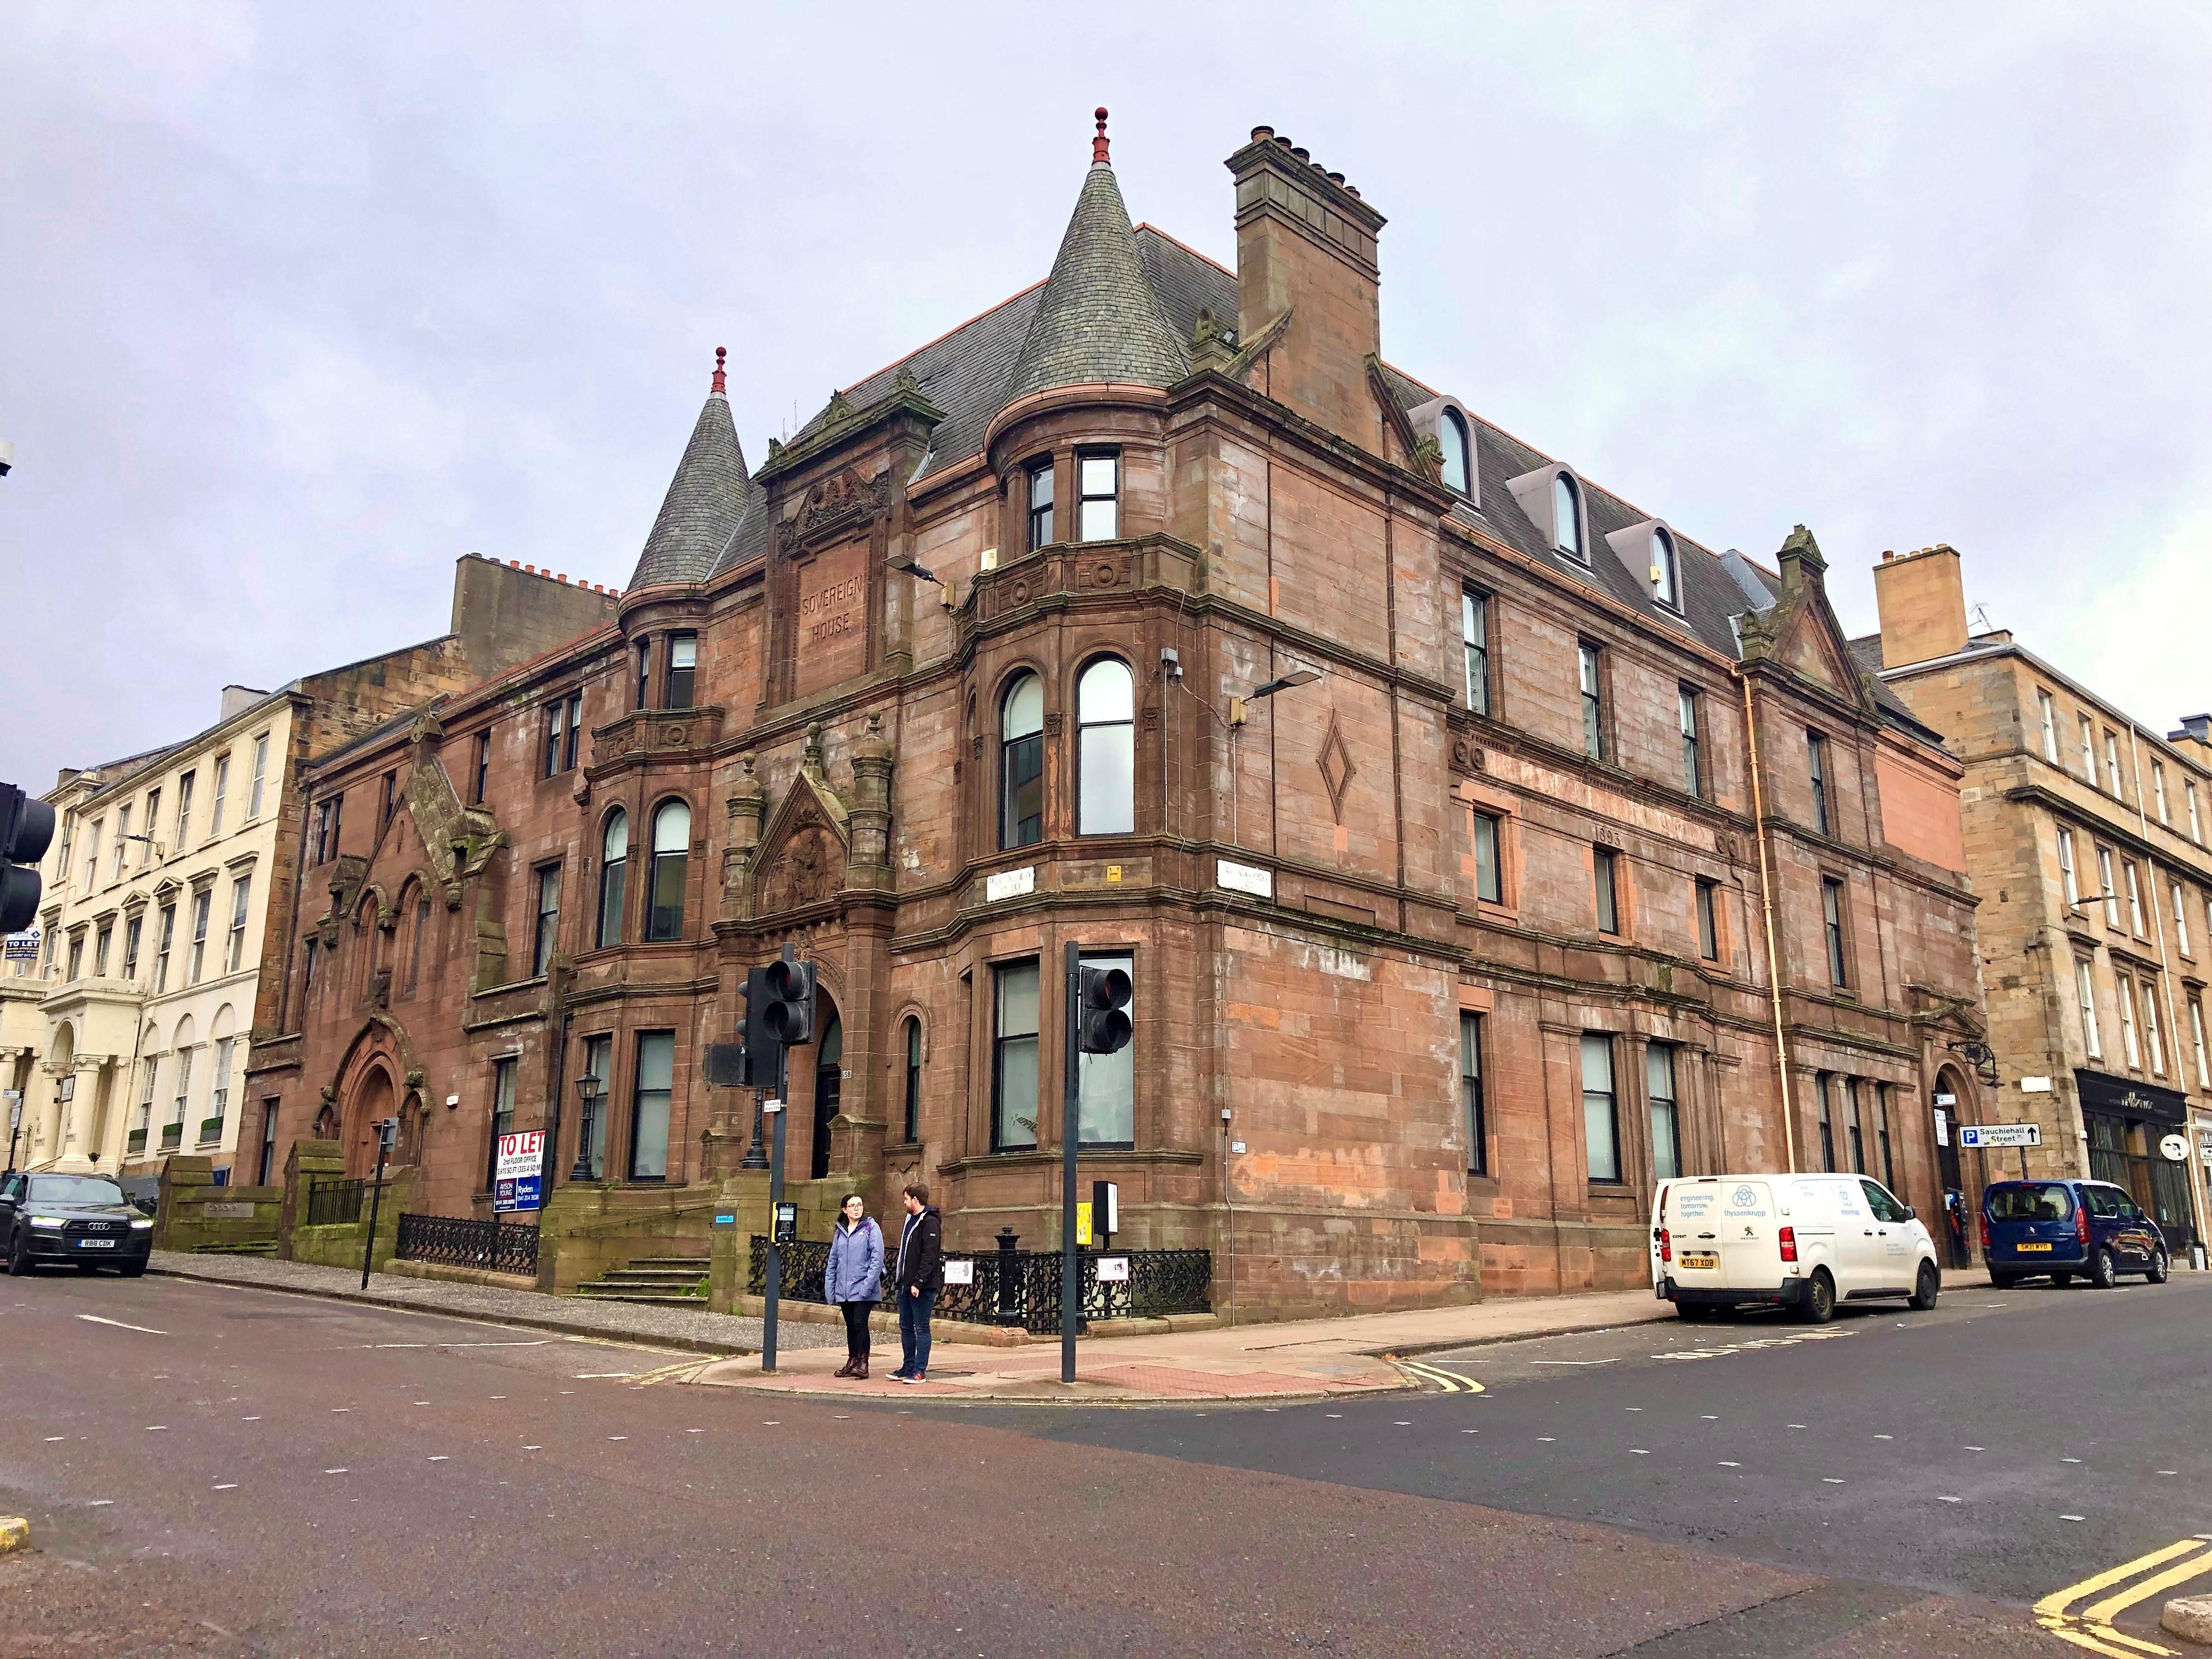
[1098,144]
[721,384]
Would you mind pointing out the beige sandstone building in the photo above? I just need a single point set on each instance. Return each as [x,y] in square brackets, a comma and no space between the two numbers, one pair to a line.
[2086,841]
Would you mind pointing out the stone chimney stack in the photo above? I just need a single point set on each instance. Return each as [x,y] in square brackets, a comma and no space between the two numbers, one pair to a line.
[1306,246]
[1921,601]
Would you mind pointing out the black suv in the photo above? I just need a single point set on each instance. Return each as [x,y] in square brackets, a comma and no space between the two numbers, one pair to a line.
[83,1220]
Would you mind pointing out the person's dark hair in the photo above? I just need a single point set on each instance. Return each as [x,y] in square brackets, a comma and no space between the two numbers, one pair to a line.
[848,1199]
[918,1192]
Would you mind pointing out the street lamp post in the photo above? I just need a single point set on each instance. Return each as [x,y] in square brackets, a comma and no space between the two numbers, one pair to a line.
[589,1089]
[1233,722]
[386,1131]
[15,1123]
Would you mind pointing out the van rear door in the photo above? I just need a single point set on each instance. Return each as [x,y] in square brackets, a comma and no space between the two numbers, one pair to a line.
[1722,1234]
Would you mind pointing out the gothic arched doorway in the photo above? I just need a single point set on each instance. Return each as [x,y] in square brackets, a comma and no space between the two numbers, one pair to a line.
[372,1102]
[1950,1108]
[828,1082]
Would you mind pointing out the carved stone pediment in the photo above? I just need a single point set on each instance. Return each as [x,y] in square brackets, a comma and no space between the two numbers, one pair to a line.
[803,855]
[835,506]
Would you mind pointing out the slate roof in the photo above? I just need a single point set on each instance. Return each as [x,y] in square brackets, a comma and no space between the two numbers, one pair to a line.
[1099,318]
[706,499]
[1118,305]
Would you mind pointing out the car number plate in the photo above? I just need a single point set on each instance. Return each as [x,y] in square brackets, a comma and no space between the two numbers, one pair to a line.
[1699,1261]
[2031,1247]
[95,1244]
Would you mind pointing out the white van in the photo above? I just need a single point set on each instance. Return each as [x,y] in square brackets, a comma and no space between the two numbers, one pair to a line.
[1805,1242]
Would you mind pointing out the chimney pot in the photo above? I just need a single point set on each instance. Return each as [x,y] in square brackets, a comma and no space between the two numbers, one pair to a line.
[1336,177]
[1887,554]
[1303,154]
[563,577]
[1260,134]
[514,564]
[1281,140]
[1352,190]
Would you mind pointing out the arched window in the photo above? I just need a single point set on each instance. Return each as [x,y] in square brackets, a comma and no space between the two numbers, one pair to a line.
[1106,749]
[1021,764]
[913,1080]
[1666,584]
[614,866]
[1566,516]
[672,841]
[1451,433]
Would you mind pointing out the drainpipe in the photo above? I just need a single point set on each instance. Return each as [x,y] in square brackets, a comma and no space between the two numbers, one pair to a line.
[1766,906]
[2166,984]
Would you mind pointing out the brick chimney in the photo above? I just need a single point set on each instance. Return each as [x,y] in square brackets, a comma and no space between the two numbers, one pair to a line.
[1921,601]
[1305,245]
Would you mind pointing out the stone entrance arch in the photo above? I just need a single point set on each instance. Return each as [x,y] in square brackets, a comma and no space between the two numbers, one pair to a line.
[371,1098]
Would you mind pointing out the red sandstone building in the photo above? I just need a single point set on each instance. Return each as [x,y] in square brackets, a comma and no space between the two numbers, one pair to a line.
[1565,853]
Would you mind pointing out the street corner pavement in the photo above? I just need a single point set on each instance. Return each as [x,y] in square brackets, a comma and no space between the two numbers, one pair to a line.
[1124,1372]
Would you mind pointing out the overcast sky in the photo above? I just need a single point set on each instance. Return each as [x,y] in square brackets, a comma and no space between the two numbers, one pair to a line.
[299,302]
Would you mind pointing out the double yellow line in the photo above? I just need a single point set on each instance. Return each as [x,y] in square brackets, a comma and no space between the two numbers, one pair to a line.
[2091,1626]
[1436,1377]
[678,1373]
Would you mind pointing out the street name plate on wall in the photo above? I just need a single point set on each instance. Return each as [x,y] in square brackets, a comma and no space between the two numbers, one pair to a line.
[2035,1086]
[1999,1135]
[227,1212]
[1009,883]
[1245,879]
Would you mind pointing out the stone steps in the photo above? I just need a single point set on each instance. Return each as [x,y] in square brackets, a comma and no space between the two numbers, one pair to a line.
[655,1281]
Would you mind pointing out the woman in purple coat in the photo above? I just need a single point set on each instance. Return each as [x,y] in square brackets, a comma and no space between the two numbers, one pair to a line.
[854,1281]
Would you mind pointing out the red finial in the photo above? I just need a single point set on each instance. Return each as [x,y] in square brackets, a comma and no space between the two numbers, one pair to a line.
[1098,144]
[720,384]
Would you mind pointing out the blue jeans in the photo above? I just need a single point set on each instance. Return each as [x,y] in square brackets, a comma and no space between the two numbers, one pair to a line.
[914,1331]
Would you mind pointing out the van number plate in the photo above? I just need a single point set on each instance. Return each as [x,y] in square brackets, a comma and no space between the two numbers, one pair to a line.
[2031,1247]
[1690,1261]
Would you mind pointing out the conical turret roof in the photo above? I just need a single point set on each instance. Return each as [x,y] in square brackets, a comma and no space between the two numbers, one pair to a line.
[705,499]
[1097,319]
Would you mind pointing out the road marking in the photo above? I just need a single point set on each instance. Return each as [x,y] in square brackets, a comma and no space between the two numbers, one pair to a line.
[442,1457]
[617,1436]
[1830,1481]
[1449,1381]
[595,1376]
[1973,1448]
[1546,1439]
[1583,1362]
[2070,1459]
[2091,1628]
[156,1428]
[100,1503]
[1950,1500]
[1885,1436]
[533,1449]
[95,1319]
[337,1471]
[2072,1517]
[1710,1417]
[249,1419]
[52,1437]
[1640,1451]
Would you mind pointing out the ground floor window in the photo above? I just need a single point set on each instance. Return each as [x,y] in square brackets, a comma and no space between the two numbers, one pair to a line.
[1108,1082]
[1600,1115]
[656,1076]
[1470,1089]
[592,1116]
[1666,1115]
[1014,1059]
[502,1115]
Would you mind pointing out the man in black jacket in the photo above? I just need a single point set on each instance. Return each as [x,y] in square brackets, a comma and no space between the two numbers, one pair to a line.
[920,1276]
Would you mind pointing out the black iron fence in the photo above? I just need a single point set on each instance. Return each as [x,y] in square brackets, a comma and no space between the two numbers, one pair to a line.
[334,1203]
[1021,1288]
[465,1242]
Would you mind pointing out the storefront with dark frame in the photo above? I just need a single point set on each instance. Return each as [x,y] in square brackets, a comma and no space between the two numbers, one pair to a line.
[2125,1120]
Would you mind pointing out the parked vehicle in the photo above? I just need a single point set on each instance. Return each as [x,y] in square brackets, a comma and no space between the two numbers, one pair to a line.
[83,1220]
[1804,1241]
[2063,1228]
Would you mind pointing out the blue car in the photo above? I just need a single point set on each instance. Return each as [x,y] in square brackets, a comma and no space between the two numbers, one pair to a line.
[2063,1229]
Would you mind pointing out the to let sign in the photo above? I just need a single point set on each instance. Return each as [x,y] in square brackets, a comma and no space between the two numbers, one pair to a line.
[1999,1135]
[515,1175]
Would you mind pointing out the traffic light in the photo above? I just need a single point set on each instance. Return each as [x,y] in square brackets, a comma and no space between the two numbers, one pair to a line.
[758,1046]
[1102,1003]
[788,1016]
[27,826]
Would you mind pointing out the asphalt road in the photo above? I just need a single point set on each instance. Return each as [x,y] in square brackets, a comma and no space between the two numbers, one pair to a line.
[2004,1446]
[217,1471]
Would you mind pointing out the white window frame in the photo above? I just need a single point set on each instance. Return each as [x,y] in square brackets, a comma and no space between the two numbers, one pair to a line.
[2084,991]
[260,776]
[2136,924]
[221,794]
[2153,1041]
[2197,1033]
[2088,751]
[2130,1044]
[2180,921]
[2105,881]
[2196,825]
[2112,763]
[2047,712]
[2069,883]
[2158,791]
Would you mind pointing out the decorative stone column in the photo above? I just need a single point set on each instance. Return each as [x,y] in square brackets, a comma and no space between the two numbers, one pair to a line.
[868,858]
[748,808]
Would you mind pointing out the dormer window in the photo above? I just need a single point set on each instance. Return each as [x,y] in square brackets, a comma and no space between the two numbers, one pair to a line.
[1566,517]
[1666,580]
[1451,435]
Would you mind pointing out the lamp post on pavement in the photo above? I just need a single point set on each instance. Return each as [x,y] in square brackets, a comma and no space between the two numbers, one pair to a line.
[589,1089]
[15,1123]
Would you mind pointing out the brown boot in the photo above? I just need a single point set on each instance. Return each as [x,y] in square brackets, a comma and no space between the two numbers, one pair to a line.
[861,1368]
[846,1370]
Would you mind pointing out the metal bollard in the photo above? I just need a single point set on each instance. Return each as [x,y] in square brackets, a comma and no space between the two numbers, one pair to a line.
[1010,1267]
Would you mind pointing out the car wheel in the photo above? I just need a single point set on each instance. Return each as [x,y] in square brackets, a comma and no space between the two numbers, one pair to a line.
[2003,1281]
[1819,1306]
[1926,1286]
[132,1269]
[19,1256]
[2104,1273]
[1694,1313]
[2160,1267]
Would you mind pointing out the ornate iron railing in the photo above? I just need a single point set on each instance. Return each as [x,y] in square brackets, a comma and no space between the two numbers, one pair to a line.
[334,1203]
[1021,1287]
[465,1242]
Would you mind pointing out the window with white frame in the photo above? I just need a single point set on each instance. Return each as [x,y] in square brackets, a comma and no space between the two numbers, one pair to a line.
[2153,1044]
[92,853]
[1474,639]
[121,841]
[1816,764]
[1665,576]
[259,777]
[2188,795]
[219,1091]
[2088,751]
[2196,1037]
[162,952]
[2180,921]
[1685,713]
[2069,883]
[221,794]
[1470,1085]
[234,955]
[1591,667]
[203,902]
[2131,1045]
[1451,438]
[2084,995]
[1489,878]
[2112,763]
[1108,1082]
[184,811]
[1098,496]
[2111,890]
[2158,790]
[2046,711]
[1014,1094]
[1106,749]
[503,1072]
[1666,1115]
[146,849]
[2135,899]
[1566,516]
